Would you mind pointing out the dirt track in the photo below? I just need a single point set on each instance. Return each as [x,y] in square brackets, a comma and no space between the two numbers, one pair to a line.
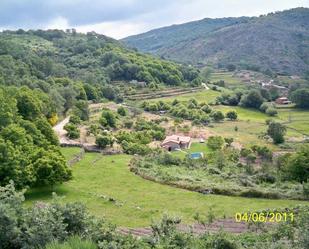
[61,132]
[227,225]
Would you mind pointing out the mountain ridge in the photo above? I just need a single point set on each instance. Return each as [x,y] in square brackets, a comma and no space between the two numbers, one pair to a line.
[277,42]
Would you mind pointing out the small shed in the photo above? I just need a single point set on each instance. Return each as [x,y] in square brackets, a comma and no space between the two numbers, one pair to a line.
[283,101]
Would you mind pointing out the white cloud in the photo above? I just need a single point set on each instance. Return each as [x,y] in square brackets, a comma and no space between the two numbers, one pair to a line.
[120,18]
[119,29]
[58,23]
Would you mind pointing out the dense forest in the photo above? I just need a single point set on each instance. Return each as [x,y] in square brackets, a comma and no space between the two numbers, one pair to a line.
[28,57]
[277,42]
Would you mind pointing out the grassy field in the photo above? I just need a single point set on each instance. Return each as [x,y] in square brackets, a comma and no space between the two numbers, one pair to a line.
[202,96]
[230,81]
[109,189]
[251,123]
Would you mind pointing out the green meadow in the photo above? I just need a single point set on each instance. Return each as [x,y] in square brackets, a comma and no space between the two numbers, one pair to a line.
[108,188]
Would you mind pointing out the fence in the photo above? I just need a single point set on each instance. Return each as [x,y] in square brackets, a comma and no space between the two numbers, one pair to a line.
[77,157]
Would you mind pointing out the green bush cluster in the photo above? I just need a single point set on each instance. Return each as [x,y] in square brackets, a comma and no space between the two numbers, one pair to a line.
[29,152]
[199,113]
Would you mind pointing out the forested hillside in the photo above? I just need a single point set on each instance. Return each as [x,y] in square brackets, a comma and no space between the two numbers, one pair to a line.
[26,57]
[278,42]
[44,74]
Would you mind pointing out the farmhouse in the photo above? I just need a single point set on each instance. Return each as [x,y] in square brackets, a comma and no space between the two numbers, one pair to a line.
[175,142]
[283,101]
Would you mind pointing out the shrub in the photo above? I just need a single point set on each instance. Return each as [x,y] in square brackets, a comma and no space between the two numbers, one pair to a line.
[128,123]
[215,142]
[232,115]
[74,119]
[135,148]
[264,106]
[300,97]
[297,165]
[217,116]
[276,131]
[72,243]
[102,141]
[252,100]
[271,111]
[122,111]
[73,131]
[108,119]
[306,188]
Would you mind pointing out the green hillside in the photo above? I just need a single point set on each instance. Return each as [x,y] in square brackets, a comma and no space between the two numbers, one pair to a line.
[277,41]
[26,57]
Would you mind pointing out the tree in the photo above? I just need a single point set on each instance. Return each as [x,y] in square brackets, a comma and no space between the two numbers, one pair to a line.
[215,142]
[28,104]
[8,109]
[108,118]
[229,141]
[46,129]
[206,73]
[271,111]
[220,159]
[81,109]
[91,92]
[253,99]
[297,165]
[102,141]
[109,93]
[276,131]
[72,131]
[50,168]
[231,115]
[301,97]
[217,116]
[122,111]
[231,67]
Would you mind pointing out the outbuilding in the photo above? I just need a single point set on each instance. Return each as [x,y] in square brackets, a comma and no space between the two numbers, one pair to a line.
[175,142]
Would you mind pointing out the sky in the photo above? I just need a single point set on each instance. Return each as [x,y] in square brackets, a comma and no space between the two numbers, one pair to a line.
[121,18]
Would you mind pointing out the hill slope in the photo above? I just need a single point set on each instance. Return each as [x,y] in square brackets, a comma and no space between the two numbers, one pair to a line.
[92,58]
[277,41]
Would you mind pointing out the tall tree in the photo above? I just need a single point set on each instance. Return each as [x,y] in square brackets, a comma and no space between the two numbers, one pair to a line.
[276,131]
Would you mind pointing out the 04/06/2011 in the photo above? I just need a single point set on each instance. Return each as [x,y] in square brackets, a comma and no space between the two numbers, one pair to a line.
[264,217]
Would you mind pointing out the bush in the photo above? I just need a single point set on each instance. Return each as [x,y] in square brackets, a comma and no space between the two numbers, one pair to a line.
[108,119]
[297,165]
[75,120]
[128,123]
[122,111]
[231,115]
[135,148]
[73,243]
[253,99]
[271,111]
[43,223]
[217,116]
[300,97]
[215,142]
[276,131]
[73,131]
[102,141]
